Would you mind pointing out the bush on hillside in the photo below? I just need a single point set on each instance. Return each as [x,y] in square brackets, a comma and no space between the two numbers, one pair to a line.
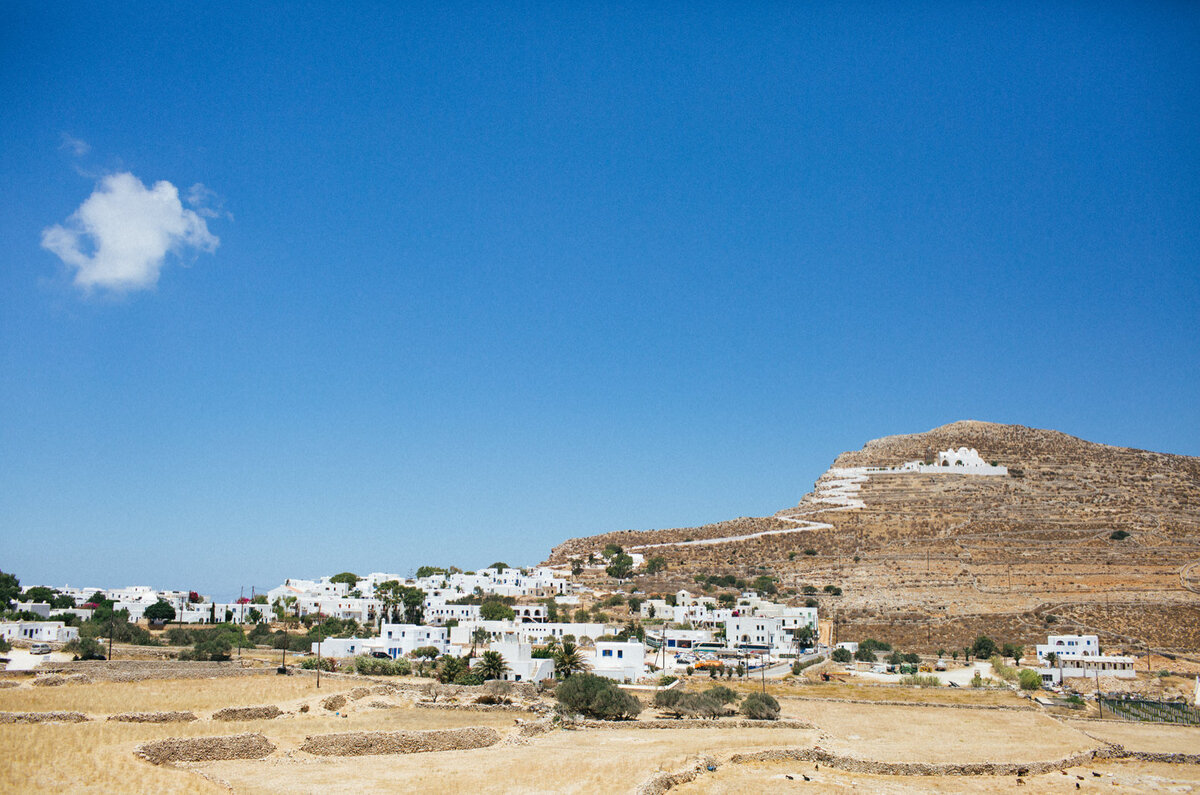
[377,666]
[760,706]
[596,697]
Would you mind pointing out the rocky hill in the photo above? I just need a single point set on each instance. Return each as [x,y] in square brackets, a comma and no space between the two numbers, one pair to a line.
[1076,535]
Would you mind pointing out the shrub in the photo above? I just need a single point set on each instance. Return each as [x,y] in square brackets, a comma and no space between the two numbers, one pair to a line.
[977,680]
[797,667]
[324,663]
[842,655]
[666,679]
[376,666]
[468,678]
[722,694]
[596,697]
[1119,535]
[760,706]
[921,680]
[983,647]
[5,646]
[1030,679]
[215,648]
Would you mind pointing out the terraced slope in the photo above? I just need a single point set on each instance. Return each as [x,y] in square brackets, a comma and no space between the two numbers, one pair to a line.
[934,559]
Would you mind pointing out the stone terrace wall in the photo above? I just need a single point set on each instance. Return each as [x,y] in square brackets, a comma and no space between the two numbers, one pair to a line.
[42,717]
[403,742]
[153,717]
[206,749]
[265,712]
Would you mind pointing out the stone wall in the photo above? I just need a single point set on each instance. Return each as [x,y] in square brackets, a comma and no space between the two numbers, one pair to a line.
[205,749]
[42,717]
[248,713]
[402,742]
[153,717]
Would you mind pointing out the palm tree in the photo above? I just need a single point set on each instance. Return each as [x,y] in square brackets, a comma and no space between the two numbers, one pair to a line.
[491,665]
[478,635]
[450,668]
[569,660]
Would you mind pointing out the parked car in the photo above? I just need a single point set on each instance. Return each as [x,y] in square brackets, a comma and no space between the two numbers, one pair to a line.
[381,655]
[39,648]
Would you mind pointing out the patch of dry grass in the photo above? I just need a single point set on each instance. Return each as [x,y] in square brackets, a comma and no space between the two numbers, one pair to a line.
[562,762]
[923,734]
[1151,737]
[772,777]
[199,695]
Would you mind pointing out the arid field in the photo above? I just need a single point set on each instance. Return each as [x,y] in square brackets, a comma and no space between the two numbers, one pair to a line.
[849,723]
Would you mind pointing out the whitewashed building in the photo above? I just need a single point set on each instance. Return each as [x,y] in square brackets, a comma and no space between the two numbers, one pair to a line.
[523,666]
[38,631]
[624,661]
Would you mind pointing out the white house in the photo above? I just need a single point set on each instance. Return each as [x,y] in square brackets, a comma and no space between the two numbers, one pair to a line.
[522,665]
[776,633]
[400,639]
[1079,645]
[1080,666]
[37,608]
[624,661]
[961,461]
[38,631]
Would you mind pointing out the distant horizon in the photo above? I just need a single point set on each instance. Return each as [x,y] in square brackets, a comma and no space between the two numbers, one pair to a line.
[392,286]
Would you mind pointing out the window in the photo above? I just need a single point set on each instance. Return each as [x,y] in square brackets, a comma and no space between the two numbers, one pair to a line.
[620,653]
[606,652]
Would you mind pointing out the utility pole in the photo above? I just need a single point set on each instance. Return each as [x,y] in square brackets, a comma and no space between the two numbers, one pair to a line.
[111,618]
[318,656]
[242,617]
[1099,695]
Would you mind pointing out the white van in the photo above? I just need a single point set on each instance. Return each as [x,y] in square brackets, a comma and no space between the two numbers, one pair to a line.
[39,648]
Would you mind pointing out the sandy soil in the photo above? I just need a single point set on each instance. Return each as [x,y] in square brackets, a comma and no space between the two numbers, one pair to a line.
[772,777]
[562,762]
[931,734]
[1150,737]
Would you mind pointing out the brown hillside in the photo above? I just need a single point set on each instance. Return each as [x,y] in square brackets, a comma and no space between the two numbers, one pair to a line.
[935,558]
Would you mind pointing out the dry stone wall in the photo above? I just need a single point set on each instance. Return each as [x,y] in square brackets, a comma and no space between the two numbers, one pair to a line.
[42,717]
[206,749]
[153,717]
[248,713]
[403,742]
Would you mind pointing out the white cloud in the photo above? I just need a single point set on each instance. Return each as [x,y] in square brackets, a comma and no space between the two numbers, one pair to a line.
[120,236]
[74,145]
[206,202]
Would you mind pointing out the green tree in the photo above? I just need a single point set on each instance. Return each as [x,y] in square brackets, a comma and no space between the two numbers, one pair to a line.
[569,661]
[722,694]
[495,610]
[983,647]
[865,653]
[499,565]
[656,564]
[491,665]
[1013,651]
[259,599]
[348,577]
[10,588]
[760,706]
[479,635]
[611,549]
[620,566]
[576,566]
[160,611]
[38,593]
[450,668]
[842,655]
[596,697]
[1029,679]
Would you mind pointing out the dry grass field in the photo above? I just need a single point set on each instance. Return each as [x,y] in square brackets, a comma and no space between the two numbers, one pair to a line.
[761,778]
[98,756]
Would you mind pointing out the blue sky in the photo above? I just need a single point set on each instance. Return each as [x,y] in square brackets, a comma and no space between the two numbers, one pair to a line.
[292,289]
